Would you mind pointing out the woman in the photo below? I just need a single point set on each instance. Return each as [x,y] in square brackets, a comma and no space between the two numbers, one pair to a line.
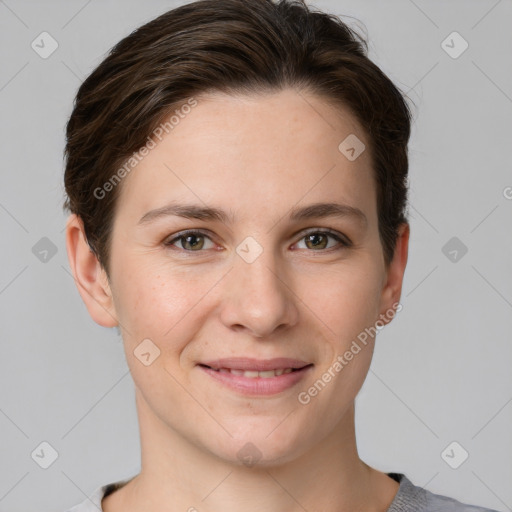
[237,180]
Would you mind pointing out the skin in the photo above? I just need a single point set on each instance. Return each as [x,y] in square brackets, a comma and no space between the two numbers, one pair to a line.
[255,157]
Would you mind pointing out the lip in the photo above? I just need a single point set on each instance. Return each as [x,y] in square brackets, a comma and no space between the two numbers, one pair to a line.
[260,365]
[257,386]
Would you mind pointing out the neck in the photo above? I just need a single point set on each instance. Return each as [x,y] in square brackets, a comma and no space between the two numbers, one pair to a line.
[177,475]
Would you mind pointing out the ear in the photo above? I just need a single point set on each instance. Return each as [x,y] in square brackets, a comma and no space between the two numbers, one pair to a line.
[90,277]
[392,288]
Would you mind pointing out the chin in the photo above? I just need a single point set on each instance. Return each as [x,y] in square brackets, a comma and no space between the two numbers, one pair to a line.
[259,448]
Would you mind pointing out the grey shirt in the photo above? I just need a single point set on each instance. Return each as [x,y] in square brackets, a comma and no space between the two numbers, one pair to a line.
[409,498]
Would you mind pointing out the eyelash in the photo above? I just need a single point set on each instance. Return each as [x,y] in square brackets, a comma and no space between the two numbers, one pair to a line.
[344,241]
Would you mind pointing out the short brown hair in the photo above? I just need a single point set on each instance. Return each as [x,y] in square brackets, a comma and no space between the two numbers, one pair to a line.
[237,47]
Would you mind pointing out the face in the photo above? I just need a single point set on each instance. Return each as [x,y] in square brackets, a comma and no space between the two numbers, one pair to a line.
[266,278]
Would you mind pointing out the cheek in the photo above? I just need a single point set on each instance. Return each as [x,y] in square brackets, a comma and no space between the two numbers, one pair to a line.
[159,308]
[343,301]
[347,303]
[161,302]
[150,301]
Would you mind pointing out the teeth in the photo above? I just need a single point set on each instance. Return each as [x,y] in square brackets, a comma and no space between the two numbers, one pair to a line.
[252,374]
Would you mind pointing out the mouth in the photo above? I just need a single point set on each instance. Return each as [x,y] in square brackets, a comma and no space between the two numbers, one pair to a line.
[253,374]
[257,377]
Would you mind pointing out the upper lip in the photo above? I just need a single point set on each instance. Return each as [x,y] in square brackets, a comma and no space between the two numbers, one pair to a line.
[246,363]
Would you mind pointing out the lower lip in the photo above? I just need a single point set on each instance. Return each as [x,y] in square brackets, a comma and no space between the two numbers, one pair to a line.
[258,385]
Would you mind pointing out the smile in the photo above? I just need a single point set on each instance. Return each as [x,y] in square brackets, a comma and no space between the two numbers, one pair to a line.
[252,374]
[257,383]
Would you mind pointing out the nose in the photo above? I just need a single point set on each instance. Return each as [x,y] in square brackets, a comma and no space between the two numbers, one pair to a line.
[258,297]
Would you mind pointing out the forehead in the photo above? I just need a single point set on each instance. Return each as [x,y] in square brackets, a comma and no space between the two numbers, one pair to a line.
[267,150]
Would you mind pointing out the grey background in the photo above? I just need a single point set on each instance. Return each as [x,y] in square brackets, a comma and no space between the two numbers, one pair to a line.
[441,370]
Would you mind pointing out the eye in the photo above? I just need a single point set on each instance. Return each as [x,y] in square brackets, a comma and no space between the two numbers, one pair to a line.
[191,241]
[318,240]
[196,241]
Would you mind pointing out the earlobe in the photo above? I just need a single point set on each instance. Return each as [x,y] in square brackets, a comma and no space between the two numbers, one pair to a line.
[90,277]
[392,289]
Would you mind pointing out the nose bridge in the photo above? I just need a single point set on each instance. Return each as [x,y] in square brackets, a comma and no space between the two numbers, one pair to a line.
[258,297]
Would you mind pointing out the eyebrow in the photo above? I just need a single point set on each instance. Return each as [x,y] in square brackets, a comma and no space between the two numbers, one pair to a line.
[312,211]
